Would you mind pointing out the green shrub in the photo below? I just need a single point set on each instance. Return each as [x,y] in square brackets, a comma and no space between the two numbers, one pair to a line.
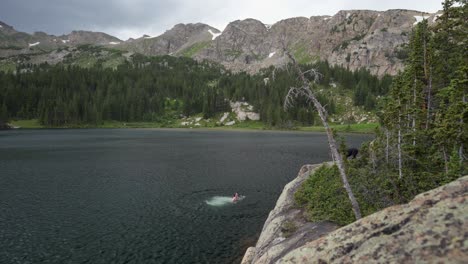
[359,37]
[194,49]
[301,54]
[288,228]
[341,46]
[325,198]
[374,185]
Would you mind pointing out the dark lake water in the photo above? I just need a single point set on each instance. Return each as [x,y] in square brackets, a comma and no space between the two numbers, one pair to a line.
[140,196]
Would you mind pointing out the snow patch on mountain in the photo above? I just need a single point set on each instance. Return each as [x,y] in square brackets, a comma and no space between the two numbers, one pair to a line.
[65,40]
[215,35]
[34,44]
[114,43]
[271,54]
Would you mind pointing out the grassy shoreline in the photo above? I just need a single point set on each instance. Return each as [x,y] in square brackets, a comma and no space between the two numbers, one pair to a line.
[245,126]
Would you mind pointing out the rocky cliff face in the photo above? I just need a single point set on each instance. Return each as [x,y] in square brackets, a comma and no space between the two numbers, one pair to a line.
[241,43]
[354,39]
[286,227]
[432,228]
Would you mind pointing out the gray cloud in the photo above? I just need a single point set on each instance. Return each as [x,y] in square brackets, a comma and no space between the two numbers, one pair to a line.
[132,18]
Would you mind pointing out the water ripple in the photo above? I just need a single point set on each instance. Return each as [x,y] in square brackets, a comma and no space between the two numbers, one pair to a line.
[142,196]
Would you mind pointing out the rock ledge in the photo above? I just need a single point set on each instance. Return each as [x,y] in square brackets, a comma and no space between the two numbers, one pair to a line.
[286,227]
[432,228]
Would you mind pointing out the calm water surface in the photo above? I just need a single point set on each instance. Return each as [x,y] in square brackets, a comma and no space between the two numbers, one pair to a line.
[140,196]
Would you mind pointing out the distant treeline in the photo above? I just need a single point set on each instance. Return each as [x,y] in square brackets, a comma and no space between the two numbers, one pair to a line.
[163,88]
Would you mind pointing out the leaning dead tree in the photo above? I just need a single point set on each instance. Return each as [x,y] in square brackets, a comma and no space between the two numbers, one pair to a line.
[306,91]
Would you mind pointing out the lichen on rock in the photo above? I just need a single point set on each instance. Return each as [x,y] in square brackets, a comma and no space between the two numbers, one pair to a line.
[432,228]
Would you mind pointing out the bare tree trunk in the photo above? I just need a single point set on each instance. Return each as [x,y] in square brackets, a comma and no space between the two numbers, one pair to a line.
[414,114]
[460,150]
[460,153]
[425,55]
[400,173]
[445,160]
[428,116]
[387,145]
[331,140]
[372,156]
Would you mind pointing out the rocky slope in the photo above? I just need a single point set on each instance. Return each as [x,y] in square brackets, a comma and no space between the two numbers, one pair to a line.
[182,40]
[432,228]
[13,42]
[81,37]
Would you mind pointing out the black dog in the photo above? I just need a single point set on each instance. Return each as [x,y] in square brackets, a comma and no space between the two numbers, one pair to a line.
[352,152]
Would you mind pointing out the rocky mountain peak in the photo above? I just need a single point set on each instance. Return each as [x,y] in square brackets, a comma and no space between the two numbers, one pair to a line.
[5,25]
[79,37]
[182,39]
[245,28]
[40,34]
[241,43]
[189,30]
[6,29]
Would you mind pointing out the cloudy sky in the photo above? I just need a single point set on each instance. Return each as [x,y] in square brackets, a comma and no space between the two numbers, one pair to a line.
[133,18]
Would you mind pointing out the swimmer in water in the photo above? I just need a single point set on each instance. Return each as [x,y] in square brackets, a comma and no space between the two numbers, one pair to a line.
[235,197]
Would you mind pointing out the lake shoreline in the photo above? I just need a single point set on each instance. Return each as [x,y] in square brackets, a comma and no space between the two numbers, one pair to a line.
[247,127]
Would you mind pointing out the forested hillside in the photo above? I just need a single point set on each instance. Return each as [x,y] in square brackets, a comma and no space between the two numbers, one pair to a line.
[164,89]
[422,141]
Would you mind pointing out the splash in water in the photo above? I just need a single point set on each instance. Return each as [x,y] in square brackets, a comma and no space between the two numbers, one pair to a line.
[222,200]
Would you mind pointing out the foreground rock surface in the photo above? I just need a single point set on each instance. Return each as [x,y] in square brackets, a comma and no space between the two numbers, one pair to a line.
[286,227]
[432,228]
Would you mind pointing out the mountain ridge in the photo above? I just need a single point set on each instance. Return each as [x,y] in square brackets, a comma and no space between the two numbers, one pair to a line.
[350,38]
